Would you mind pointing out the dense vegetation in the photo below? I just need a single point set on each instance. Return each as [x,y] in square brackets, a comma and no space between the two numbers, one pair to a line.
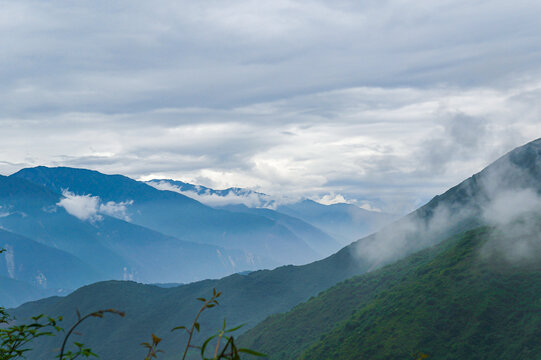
[451,305]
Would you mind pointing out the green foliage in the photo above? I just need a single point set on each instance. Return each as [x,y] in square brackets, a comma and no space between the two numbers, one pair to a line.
[230,351]
[81,350]
[152,347]
[16,339]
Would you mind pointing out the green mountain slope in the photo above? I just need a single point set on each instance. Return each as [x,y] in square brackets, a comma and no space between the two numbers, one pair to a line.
[450,302]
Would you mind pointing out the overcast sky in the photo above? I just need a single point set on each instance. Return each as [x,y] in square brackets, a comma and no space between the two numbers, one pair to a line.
[381,103]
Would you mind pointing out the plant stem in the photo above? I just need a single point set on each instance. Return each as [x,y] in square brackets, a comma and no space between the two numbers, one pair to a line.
[193,327]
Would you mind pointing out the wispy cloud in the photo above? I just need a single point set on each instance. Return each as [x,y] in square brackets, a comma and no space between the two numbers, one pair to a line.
[250,199]
[505,196]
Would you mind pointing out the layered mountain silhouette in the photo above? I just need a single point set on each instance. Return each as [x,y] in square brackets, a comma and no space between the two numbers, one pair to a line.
[113,227]
[48,248]
[344,222]
[264,242]
[491,258]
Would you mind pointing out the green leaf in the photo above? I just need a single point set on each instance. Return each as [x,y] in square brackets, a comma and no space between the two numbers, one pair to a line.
[235,328]
[204,346]
[178,328]
[251,352]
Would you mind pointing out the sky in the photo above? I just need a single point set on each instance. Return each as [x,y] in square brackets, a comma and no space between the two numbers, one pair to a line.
[383,104]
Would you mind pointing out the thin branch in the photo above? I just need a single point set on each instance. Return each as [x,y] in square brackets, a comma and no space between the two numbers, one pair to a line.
[98,313]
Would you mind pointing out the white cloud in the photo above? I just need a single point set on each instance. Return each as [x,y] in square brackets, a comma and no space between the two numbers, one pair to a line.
[4,212]
[366,205]
[330,199]
[509,206]
[250,199]
[9,255]
[83,207]
[117,210]
[90,208]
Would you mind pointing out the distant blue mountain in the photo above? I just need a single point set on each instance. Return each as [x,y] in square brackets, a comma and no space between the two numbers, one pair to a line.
[317,239]
[43,240]
[15,292]
[343,222]
[251,202]
[113,227]
[264,242]
[43,266]
[231,195]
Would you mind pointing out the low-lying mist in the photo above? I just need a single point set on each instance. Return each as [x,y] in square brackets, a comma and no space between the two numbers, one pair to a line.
[505,196]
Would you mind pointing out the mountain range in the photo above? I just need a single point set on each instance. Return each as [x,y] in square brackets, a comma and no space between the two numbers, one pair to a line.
[344,222]
[112,227]
[457,278]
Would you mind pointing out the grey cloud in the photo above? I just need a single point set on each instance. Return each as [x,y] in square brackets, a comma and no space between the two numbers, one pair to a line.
[67,56]
[460,139]
[382,96]
[406,147]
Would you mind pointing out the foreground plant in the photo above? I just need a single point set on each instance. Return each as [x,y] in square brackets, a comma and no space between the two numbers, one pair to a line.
[81,349]
[15,339]
[230,350]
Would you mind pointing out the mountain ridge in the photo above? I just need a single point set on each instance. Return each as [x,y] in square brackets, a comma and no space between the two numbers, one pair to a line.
[176,215]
